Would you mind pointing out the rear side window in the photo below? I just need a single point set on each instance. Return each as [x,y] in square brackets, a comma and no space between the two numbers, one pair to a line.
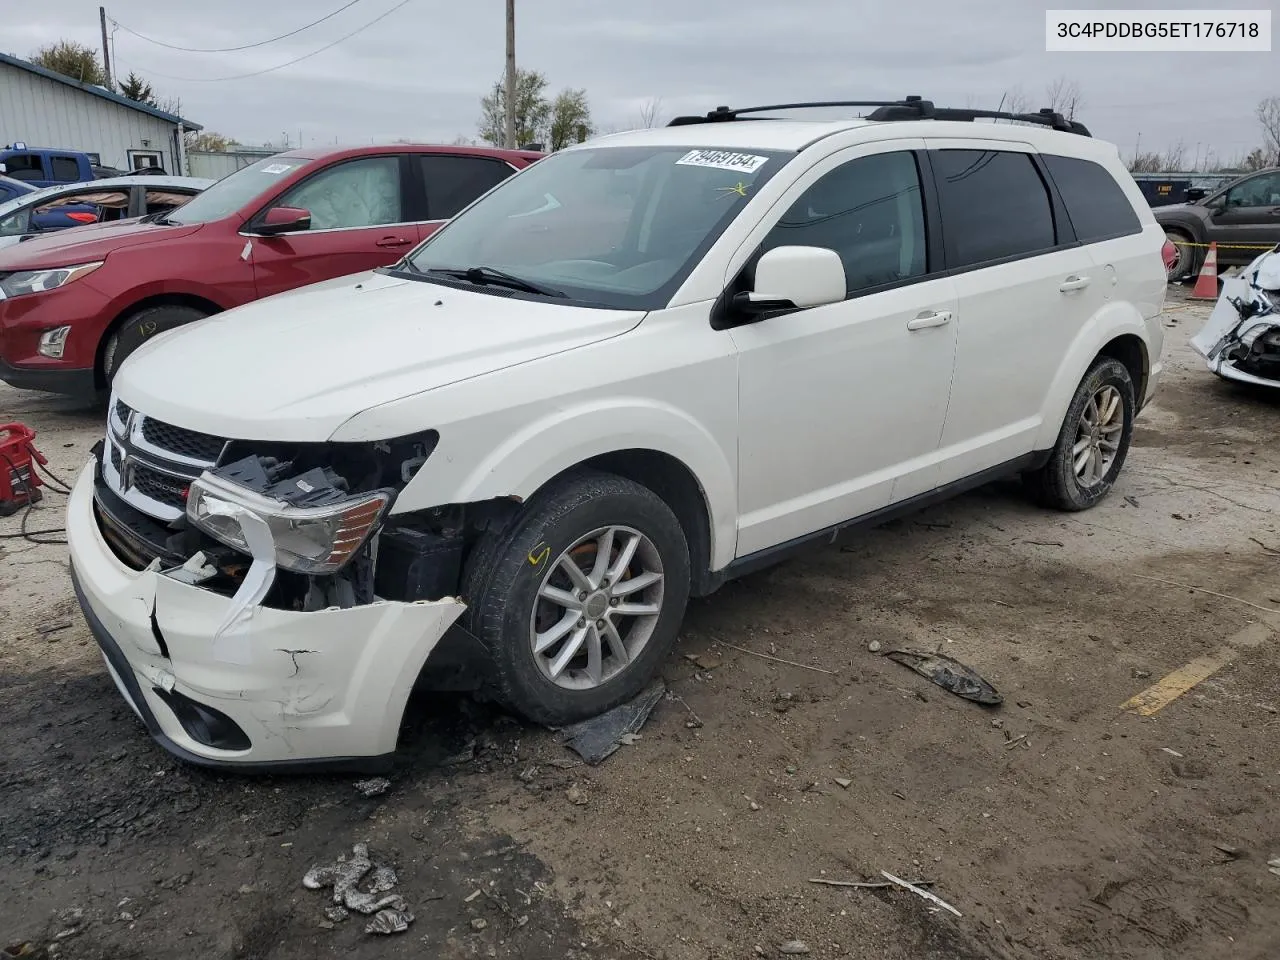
[65,169]
[994,205]
[1097,206]
[452,182]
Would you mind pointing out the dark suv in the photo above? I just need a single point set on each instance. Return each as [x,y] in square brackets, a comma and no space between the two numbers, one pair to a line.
[1243,218]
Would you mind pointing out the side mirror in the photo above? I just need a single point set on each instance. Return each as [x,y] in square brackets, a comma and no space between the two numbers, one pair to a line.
[788,278]
[280,220]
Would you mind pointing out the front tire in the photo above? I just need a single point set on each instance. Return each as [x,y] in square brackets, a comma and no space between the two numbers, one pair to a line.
[137,329]
[580,601]
[1093,442]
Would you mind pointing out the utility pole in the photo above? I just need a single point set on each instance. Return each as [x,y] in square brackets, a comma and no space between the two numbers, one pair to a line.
[106,56]
[509,134]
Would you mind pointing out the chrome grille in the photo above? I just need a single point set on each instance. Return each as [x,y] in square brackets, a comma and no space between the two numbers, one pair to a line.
[150,464]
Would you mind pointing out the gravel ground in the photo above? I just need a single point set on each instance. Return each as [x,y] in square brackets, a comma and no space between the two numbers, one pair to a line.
[1059,825]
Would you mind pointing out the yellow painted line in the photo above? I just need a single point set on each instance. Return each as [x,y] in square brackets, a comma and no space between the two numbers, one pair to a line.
[1169,688]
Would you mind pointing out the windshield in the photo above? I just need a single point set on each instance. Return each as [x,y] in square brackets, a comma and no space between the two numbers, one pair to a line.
[614,226]
[234,190]
[10,205]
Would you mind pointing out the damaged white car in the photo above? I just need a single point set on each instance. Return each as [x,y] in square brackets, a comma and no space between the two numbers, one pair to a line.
[643,366]
[1241,339]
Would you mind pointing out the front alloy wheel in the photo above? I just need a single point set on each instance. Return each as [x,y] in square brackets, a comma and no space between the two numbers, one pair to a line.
[597,608]
[580,600]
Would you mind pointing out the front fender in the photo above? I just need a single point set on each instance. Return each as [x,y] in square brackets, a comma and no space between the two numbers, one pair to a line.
[1187,222]
[526,459]
[1112,321]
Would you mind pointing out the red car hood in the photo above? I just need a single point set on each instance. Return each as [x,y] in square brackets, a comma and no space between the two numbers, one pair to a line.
[86,244]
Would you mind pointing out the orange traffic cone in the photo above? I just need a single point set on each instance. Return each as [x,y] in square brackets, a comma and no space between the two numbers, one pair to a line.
[1206,287]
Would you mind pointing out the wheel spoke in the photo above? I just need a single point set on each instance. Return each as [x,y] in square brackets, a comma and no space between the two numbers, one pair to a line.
[1112,428]
[637,583]
[550,637]
[575,574]
[560,597]
[1080,447]
[637,609]
[1112,401]
[1095,464]
[595,656]
[1108,446]
[625,556]
[614,639]
[604,551]
[1082,460]
[571,648]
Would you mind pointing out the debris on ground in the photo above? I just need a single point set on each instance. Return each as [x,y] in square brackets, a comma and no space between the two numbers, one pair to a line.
[598,738]
[868,884]
[48,628]
[479,923]
[575,796]
[345,877]
[1273,866]
[794,948]
[843,782]
[951,675]
[1232,853]
[874,646]
[704,661]
[919,892]
[374,787]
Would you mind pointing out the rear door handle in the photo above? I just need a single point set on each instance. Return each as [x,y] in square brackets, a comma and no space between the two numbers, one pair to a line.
[394,242]
[1074,283]
[930,318]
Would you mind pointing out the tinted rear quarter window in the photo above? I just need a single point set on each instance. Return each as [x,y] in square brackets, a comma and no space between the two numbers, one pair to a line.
[994,205]
[452,182]
[1096,204]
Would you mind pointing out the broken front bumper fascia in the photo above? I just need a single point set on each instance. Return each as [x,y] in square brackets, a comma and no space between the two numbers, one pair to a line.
[1225,330]
[320,690]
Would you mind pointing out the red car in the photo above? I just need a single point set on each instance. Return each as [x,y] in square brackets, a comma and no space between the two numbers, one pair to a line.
[74,305]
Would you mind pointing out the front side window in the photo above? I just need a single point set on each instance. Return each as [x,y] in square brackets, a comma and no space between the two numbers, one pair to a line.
[236,190]
[24,166]
[994,205]
[868,211]
[1098,208]
[614,226]
[159,201]
[357,193]
[452,182]
[1263,191]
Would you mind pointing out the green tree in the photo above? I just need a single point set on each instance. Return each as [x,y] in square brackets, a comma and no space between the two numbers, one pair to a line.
[209,142]
[570,119]
[135,88]
[73,60]
[533,110]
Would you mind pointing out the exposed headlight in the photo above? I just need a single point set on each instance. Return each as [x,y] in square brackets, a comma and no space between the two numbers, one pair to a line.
[311,540]
[38,281]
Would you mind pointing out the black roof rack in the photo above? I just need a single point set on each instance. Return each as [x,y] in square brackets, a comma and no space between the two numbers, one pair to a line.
[909,108]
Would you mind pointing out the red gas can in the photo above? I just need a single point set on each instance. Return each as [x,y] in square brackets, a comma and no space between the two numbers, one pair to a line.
[19,481]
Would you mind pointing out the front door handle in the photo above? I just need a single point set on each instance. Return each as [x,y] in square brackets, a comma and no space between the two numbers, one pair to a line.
[1074,283]
[394,242]
[930,318]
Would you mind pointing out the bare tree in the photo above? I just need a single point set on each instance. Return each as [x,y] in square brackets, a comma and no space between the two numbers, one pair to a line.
[1016,100]
[650,113]
[1175,157]
[1269,117]
[1256,160]
[1064,97]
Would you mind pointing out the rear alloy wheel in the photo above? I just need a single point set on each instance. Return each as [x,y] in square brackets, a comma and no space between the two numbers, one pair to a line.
[580,601]
[1185,263]
[137,329]
[1093,442]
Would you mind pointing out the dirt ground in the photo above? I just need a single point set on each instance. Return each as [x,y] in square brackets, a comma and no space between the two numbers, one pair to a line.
[1057,824]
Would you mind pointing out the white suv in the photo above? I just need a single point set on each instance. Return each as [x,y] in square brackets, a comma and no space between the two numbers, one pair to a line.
[643,366]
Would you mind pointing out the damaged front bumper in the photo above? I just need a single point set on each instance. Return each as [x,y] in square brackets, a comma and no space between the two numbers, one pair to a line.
[282,690]
[1241,339]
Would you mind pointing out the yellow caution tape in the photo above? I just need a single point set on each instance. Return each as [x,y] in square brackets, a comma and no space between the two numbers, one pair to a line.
[1225,246]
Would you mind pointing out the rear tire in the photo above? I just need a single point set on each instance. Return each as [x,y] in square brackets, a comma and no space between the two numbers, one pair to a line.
[564,645]
[1093,442]
[137,329]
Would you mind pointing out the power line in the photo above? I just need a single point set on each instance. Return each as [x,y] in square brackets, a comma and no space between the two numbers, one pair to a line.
[281,66]
[247,46]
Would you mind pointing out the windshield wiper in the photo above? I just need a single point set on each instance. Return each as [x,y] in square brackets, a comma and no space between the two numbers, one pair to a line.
[499,278]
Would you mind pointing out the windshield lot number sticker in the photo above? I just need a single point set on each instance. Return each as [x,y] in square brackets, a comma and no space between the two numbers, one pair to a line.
[276,168]
[723,160]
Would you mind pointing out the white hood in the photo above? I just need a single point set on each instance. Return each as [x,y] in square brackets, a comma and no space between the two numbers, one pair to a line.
[298,365]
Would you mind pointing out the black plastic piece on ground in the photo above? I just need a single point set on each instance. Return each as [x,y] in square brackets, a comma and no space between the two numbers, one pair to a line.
[597,738]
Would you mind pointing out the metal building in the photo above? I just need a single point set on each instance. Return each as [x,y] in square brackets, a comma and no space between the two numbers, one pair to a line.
[45,109]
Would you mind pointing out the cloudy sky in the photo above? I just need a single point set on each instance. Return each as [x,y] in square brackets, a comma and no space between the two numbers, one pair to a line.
[420,72]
